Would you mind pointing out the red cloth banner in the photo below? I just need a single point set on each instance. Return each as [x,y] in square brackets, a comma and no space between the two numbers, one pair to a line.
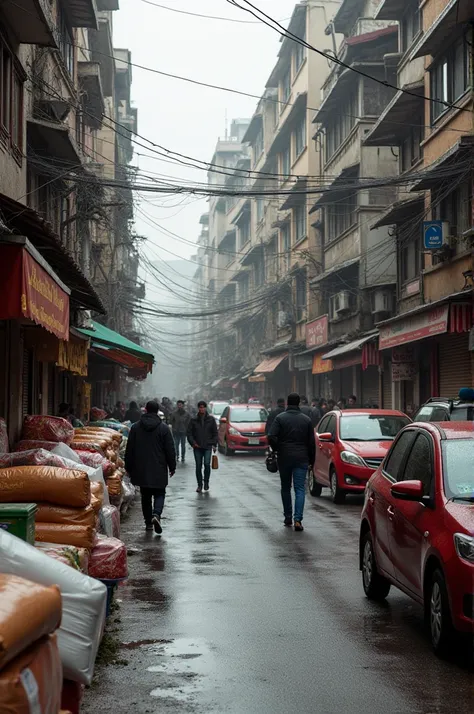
[370,355]
[461,317]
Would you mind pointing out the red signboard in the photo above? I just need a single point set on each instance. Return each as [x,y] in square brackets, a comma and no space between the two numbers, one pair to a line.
[31,292]
[317,332]
[414,328]
[320,365]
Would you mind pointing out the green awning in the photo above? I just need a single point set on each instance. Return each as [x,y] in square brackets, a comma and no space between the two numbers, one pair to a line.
[102,335]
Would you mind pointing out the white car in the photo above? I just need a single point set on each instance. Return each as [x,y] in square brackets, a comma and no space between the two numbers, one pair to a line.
[216,408]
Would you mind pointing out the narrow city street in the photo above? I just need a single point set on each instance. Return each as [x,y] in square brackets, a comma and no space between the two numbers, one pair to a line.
[229,612]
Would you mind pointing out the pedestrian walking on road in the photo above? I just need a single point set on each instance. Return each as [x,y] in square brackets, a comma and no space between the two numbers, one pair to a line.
[292,437]
[179,422]
[309,411]
[202,436]
[280,407]
[133,413]
[149,456]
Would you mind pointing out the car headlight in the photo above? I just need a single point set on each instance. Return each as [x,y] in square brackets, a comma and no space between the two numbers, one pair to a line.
[350,458]
[464,545]
[233,432]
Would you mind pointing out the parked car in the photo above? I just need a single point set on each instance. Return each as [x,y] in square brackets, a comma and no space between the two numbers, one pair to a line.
[443,409]
[350,445]
[417,528]
[242,428]
[216,408]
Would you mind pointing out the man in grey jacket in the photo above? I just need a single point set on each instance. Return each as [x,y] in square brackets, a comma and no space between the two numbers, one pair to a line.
[179,422]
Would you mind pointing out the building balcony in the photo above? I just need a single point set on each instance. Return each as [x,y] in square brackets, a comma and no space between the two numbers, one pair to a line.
[102,53]
[31,22]
[52,141]
[93,98]
[82,13]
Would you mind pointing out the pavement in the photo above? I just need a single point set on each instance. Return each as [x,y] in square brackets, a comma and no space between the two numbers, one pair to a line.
[231,613]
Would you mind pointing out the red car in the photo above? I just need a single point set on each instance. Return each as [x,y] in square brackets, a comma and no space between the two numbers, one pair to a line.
[417,529]
[242,428]
[350,445]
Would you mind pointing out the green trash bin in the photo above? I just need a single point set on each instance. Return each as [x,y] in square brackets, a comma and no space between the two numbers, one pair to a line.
[19,520]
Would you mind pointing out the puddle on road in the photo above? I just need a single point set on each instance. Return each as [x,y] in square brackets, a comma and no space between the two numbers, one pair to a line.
[182,667]
[184,694]
[143,643]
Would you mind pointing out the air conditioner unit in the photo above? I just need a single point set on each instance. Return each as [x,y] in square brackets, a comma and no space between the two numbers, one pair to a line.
[283,319]
[381,301]
[342,302]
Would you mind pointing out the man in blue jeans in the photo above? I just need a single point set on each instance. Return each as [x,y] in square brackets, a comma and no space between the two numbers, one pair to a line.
[292,437]
[202,436]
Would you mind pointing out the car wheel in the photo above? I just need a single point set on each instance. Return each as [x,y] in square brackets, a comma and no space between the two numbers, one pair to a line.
[315,488]
[376,587]
[439,614]
[227,451]
[338,495]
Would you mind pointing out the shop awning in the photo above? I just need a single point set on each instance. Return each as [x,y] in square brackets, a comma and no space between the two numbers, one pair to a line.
[31,289]
[257,378]
[349,347]
[455,14]
[113,346]
[269,365]
[334,269]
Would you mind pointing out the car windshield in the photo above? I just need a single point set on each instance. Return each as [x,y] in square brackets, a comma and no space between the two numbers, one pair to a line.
[243,415]
[218,408]
[371,427]
[458,460]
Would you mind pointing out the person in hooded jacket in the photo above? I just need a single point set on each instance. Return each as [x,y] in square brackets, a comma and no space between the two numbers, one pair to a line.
[133,413]
[149,456]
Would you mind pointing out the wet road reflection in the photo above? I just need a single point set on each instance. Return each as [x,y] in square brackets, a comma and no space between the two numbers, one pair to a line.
[231,613]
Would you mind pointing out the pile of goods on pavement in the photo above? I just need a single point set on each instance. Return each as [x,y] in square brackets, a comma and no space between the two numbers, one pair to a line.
[61,558]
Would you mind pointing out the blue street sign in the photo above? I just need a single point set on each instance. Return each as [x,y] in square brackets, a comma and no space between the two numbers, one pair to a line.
[432,234]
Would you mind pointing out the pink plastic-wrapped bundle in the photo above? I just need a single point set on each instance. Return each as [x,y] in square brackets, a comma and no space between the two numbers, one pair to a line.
[47,428]
[4,443]
[34,444]
[94,459]
[108,560]
[32,457]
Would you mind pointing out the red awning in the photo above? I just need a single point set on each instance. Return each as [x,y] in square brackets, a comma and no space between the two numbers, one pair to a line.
[31,289]
[124,359]
[370,355]
[270,364]
[461,317]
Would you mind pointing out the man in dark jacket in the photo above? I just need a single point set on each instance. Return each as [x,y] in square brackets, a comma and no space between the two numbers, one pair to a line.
[309,411]
[292,437]
[133,413]
[202,435]
[280,407]
[179,422]
[149,456]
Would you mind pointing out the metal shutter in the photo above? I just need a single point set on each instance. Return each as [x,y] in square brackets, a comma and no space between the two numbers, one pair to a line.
[387,385]
[51,389]
[370,386]
[26,382]
[347,386]
[454,364]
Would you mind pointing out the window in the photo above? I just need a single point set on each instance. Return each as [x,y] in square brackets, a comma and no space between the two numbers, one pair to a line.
[11,100]
[331,426]
[260,209]
[396,457]
[411,151]
[410,254]
[342,124]
[259,145]
[300,56]
[341,216]
[456,209]
[285,163]
[419,466]
[371,427]
[300,138]
[323,425]
[285,88]
[301,297]
[300,218]
[285,247]
[65,42]
[450,76]
[259,272]
[244,287]
[458,474]
[410,25]
[244,232]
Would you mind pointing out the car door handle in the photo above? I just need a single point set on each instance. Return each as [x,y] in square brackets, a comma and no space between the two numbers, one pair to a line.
[390,512]
[372,498]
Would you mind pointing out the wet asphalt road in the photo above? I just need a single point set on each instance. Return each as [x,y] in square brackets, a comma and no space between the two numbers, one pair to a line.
[230,613]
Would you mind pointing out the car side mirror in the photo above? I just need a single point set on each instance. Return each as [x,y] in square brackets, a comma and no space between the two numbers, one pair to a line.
[326,437]
[408,491]
[223,420]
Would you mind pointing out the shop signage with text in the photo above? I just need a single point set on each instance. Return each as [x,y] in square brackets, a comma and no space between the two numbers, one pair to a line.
[403,355]
[404,372]
[317,332]
[73,356]
[320,365]
[417,327]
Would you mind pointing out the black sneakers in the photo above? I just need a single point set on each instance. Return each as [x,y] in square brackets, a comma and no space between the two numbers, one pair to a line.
[298,526]
[199,489]
[157,525]
[288,522]
[148,526]
[206,486]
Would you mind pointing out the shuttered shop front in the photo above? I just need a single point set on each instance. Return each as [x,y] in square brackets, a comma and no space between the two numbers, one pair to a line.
[387,384]
[370,385]
[455,369]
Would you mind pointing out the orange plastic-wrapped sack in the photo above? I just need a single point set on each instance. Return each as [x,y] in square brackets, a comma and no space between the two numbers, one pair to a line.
[92,436]
[89,445]
[100,431]
[48,513]
[33,681]
[97,495]
[47,428]
[64,487]
[28,612]
[114,486]
[77,536]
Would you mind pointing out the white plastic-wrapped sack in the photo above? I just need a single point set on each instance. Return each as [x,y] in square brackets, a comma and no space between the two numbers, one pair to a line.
[95,474]
[66,452]
[84,601]
[105,521]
